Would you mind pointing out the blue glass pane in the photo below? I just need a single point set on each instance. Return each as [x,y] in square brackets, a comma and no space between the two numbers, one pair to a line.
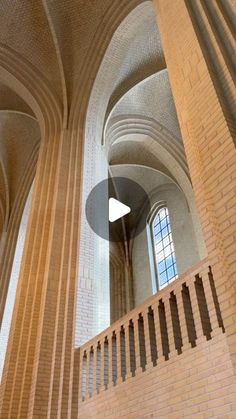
[163,278]
[164,232]
[163,223]
[169,261]
[157,228]
[170,272]
[166,241]
[162,214]
[161,266]
[158,237]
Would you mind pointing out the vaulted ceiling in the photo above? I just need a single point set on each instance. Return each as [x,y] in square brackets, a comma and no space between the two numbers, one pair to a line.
[111,46]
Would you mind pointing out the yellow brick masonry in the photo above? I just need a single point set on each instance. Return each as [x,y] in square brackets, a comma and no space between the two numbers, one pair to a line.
[209,147]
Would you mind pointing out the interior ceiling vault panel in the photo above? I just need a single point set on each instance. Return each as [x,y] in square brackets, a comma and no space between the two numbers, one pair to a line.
[19,134]
[151,98]
[12,102]
[33,42]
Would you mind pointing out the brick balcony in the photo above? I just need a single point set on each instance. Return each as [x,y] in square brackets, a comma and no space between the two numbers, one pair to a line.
[176,319]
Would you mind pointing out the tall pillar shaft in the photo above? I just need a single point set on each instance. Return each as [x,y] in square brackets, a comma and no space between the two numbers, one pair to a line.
[37,378]
[202,87]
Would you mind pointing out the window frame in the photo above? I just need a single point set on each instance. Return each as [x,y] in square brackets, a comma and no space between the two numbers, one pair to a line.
[155,276]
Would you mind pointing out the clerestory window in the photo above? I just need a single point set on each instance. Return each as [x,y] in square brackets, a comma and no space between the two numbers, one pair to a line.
[163,246]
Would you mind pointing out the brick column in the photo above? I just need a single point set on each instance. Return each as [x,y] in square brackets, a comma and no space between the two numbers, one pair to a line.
[9,237]
[38,372]
[203,100]
[77,380]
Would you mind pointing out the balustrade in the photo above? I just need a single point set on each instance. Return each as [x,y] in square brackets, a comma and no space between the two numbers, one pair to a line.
[174,320]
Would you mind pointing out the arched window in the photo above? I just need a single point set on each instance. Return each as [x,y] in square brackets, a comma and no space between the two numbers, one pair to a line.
[163,247]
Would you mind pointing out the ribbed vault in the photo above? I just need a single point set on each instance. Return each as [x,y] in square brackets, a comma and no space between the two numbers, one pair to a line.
[72,60]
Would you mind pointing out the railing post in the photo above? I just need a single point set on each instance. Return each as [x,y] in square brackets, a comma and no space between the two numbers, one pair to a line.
[127,350]
[102,369]
[160,355]
[182,319]
[81,376]
[137,344]
[88,384]
[147,340]
[110,365]
[169,323]
[195,308]
[95,367]
[210,301]
[118,343]
[86,369]
[106,363]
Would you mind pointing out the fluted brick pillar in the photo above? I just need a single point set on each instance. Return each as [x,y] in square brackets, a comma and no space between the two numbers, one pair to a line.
[196,61]
[38,370]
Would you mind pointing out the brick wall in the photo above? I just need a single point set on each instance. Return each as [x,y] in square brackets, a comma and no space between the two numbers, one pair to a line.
[93,298]
[168,358]
[199,384]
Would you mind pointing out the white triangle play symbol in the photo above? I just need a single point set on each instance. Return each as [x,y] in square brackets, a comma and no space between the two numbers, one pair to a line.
[117,209]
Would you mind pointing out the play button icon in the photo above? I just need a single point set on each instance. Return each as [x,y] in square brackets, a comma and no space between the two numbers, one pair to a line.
[117,210]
